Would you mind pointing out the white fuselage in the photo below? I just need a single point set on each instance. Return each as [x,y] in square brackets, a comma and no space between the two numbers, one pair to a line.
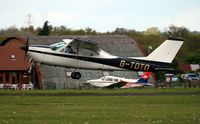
[104,81]
[50,57]
[109,80]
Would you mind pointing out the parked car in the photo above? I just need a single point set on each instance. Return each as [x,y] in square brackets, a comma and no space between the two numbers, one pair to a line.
[1,86]
[191,77]
[171,78]
[15,86]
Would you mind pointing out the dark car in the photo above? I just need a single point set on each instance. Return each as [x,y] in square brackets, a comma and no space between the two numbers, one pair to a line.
[192,79]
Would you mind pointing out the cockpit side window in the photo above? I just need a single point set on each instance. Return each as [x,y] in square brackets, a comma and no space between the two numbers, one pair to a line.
[86,52]
[109,79]
[116,80]
[103,78]
[76,47]
[70,50]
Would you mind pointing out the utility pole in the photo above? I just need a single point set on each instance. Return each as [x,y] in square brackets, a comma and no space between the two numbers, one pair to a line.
[29,21]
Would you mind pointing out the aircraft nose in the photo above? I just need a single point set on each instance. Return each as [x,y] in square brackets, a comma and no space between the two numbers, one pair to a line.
[24,48]
[88,81]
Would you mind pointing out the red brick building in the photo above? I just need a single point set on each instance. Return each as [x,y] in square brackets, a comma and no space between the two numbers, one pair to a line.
[13,65]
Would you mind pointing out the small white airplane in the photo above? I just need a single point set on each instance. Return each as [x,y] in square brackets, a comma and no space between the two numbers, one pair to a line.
[84,54]
[118,82]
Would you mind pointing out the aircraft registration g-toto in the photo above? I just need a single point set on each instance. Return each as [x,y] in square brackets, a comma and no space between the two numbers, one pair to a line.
[85,54]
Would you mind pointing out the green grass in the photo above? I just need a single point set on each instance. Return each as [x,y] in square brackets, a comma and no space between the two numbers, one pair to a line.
[134,90]
[100,109]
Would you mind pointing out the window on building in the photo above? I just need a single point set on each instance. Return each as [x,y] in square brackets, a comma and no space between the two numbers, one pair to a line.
[1,78]
[13,80]
[12,57]
[18,78]
[13,77]
[7,77]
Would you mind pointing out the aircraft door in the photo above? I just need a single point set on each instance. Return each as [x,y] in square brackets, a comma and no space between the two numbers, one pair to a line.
[69,61]
[88,64]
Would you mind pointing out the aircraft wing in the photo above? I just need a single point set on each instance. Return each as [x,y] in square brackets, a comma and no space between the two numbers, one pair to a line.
[117,85]
[85,44]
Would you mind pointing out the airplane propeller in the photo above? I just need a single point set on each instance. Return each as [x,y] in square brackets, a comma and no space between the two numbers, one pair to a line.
[25,48]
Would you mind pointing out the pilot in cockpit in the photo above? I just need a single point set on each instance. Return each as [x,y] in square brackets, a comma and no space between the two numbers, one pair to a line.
[69,50]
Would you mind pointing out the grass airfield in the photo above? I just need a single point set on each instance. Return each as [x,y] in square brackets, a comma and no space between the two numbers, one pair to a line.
[52,107]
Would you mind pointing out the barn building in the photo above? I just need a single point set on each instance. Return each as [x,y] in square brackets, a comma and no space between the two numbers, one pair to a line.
[16,72]
[13,68]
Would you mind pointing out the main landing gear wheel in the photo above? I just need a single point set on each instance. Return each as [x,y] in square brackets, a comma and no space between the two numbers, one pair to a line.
[76,75]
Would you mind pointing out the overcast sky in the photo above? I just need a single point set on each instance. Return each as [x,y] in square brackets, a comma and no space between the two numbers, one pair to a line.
[102,15]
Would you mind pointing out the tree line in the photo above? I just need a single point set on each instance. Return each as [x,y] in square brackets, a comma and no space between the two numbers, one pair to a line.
[47,30]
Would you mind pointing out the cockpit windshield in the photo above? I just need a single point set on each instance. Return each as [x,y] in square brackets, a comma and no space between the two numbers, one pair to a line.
[103,78]
[76,46]
[57,46]
[85,44]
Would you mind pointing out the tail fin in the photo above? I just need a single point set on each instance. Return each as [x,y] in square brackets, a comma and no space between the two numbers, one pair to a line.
[165,52]
[144,78]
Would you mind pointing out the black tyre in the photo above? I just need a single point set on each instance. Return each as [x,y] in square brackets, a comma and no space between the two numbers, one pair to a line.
[76,75]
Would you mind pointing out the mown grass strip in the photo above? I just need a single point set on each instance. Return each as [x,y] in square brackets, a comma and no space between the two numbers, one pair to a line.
[100,110]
